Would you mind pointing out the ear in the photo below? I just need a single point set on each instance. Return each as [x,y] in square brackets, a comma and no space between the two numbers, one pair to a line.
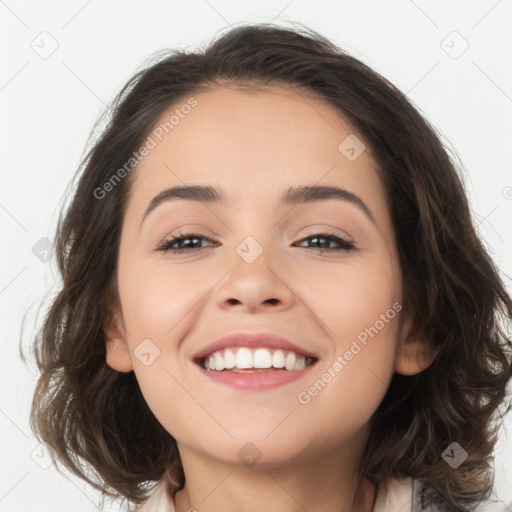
[414,354]
[118,352]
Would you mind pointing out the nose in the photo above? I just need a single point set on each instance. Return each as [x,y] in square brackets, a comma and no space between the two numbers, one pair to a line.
[255,286]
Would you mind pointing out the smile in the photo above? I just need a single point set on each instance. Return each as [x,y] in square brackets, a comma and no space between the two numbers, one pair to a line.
[257,369]
[258,359]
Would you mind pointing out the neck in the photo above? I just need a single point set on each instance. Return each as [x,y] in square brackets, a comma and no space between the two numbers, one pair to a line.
[322,484]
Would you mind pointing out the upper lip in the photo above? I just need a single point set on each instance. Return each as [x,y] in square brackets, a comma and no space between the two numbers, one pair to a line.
[252,340]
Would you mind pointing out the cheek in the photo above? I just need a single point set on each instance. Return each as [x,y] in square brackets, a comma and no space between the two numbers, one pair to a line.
[159,306]
[359,309]
[155,298]
[346,300]
[350,386]
[351,299]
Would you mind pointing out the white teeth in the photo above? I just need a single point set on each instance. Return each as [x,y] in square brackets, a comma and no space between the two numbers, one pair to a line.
[278,360]
[219,361]
[290,361]
[301,363]
[229,359]
[243,358]
[261,358]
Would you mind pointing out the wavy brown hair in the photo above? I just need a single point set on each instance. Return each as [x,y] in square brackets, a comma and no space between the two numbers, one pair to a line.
[95,417]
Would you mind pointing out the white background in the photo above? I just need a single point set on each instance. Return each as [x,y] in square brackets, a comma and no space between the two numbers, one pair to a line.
[49,105]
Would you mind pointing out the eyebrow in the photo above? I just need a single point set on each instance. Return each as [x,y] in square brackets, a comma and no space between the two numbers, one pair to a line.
[293,196]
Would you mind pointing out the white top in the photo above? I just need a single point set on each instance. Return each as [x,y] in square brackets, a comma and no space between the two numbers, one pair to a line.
[396,497]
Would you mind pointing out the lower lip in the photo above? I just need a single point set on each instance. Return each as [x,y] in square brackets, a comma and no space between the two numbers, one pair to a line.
[256,381]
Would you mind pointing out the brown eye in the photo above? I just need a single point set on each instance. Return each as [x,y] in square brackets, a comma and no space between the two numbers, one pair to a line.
[185,241]
[343,245]
[192,241]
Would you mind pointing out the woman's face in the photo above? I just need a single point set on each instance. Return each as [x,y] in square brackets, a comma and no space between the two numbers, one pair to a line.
[261,264]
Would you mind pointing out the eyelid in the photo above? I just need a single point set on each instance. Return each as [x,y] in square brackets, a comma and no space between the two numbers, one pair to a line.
[344,244]
[329,231]
[176,236]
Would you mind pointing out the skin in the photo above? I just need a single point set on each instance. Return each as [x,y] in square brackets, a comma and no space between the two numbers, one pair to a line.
[272,139]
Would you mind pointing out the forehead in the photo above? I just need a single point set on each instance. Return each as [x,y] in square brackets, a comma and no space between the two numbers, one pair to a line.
[254,140]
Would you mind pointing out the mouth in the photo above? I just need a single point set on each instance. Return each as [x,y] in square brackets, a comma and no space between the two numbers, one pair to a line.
[254,361]
[259,360]
[254,379]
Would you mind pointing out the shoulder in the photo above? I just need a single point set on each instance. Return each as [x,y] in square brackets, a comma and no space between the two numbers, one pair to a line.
[421,500]
[395,494]
[158,501]
[412,495]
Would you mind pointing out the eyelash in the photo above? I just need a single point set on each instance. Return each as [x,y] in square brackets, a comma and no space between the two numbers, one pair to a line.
[165,246]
